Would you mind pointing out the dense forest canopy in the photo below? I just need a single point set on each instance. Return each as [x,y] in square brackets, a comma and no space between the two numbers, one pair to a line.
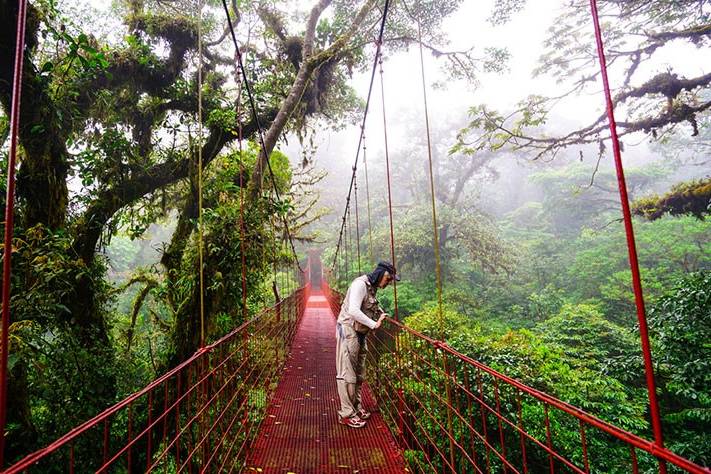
[536,276]
[109,142]
[106,292]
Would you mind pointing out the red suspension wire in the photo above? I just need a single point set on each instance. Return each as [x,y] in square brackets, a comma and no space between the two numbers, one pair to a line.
[357,223]
[367,198]
[260,132]
[435,226]
[376,59]
[201,246]
[350,239]
[390,196]
[242,230]
[10,216]
[631,247]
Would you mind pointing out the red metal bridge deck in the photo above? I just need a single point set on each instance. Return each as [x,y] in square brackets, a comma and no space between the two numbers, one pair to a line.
[301,433]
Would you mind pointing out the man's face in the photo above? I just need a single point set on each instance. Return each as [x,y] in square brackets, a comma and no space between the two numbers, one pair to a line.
[385,281]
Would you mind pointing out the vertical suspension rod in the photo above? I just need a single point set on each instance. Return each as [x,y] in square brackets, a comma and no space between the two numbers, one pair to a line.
[200,223]
[242,233]
[10,215]
[435,226]
[631,246]
[357,223]
[379,43]
[390,196]
[260,132]
[367,198]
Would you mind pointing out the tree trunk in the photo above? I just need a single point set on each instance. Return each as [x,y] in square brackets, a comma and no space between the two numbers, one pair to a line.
[310,63]
[41,179]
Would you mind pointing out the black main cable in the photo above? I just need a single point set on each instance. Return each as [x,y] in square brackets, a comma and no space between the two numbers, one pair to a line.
[378,52]
[259,127]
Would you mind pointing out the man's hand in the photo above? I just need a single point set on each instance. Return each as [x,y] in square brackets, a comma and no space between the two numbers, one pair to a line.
[380,320]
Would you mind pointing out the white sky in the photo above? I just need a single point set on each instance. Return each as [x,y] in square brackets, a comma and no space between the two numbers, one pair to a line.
[523,36]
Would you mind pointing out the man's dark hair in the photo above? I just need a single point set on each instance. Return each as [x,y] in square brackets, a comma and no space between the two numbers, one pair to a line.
[376,275]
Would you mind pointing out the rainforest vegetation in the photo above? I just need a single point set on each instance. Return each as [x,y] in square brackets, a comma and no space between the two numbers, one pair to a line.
[535,273]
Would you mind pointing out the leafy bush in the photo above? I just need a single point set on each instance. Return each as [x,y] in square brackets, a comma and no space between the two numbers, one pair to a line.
[680,323]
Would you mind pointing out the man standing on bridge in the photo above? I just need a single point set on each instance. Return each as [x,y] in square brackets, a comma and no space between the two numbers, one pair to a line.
[360,313]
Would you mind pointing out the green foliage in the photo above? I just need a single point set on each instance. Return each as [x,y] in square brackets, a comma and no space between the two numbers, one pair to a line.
[81,50]
[223,119]
[223,234]
[68,380]
[680,323]
[504,10]
[168,302]
[584,259]
[411,297]
[544,362]
[45,266]
[599,270]
[489,131]
[447,326]
[589,341]
[577,196]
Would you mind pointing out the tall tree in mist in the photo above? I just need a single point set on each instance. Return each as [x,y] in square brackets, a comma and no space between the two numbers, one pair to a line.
[653,100]
[109,141]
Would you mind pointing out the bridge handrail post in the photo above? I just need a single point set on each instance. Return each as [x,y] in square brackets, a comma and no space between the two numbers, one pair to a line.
[450,406]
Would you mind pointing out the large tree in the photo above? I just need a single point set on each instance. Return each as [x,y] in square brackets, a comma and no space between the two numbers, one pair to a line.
[109,139]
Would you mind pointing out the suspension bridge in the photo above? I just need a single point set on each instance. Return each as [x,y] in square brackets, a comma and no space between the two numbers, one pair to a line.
[263,397]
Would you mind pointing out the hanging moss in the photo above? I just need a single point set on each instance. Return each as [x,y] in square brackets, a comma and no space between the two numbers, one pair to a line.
[179,31]
[687,198]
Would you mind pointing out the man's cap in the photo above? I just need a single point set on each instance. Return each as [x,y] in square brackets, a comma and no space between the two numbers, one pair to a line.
[390,268]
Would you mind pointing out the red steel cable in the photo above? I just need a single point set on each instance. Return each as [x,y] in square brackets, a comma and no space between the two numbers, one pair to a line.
[242,232]
[201,247]
[10,216]
[631,247]
[357,223]
[367,197]
[435,226]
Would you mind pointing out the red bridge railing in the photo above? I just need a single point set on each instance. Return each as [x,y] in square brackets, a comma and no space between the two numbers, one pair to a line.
[199,417]
[453,414]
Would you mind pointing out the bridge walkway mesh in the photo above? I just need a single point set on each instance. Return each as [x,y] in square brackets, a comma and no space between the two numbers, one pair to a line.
[301,433]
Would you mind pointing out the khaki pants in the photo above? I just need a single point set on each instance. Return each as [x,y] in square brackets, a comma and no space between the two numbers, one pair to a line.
[351,349]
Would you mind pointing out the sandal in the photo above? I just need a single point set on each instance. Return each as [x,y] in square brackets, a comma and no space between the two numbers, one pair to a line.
[352,422]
